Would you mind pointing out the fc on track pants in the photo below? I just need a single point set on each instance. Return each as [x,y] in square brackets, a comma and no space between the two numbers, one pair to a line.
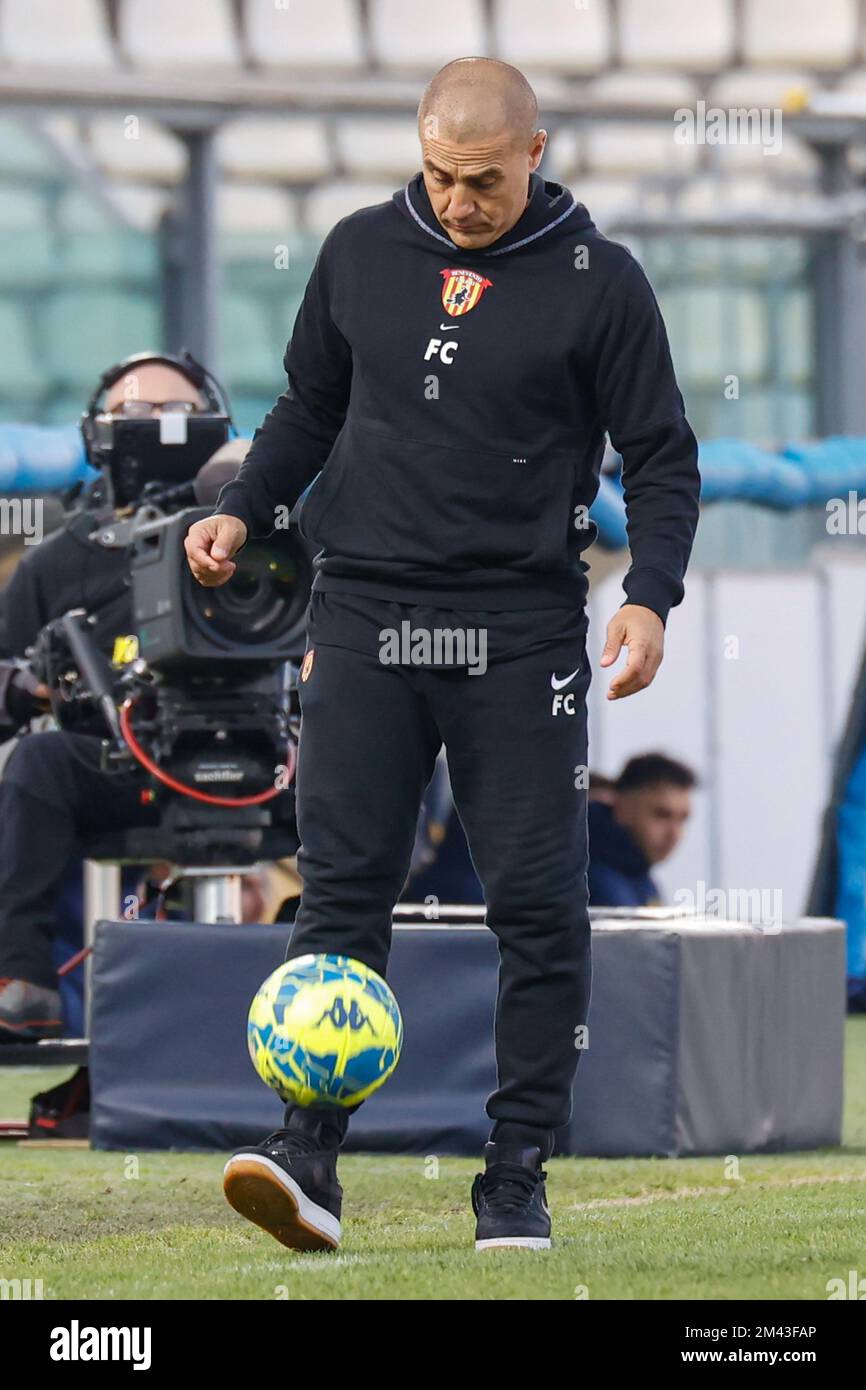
[516,742]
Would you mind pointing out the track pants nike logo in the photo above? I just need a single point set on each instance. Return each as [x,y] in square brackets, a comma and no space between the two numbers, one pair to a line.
[556,684]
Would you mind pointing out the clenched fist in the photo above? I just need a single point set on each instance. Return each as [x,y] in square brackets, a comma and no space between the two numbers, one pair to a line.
[210,545]
[642,631]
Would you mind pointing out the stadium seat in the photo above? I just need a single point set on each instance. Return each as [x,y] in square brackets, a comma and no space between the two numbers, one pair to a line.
[22,152]
[853,81]
[697,38]
[796,334]
[564,153]
[641,90]
[326,204]
[324,36]
[28,257]
[138,149]
[555,35]
[253,222]
[607,199]
[43,33]
[82,331]
[617,147]
[794,157]
[799,31]
[759,87]
[292,149]
[710,196]
[21,381]
[141,204]
[723,330]
[752,417]
[368,147]
[93,247]
[735,258]
[166,34]
[27,245]
[796,411]
[251,211]
[424,37]
[250,355]
[852,88]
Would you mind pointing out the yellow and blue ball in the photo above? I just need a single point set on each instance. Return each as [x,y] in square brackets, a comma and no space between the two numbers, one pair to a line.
[324,1030]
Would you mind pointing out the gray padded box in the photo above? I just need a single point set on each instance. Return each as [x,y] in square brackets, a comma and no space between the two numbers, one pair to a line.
[704,1037]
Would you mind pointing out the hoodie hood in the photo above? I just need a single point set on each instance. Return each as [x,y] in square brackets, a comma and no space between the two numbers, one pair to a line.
[611,843]
[618,872]
[551,209]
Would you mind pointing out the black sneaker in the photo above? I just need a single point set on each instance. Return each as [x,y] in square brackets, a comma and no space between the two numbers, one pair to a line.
[288,1185]
[509,1199]
[29,1012]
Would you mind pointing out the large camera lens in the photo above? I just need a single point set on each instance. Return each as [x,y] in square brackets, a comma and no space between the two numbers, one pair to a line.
[262,602]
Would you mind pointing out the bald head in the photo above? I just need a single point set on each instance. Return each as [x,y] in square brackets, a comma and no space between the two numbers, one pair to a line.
[477,124]
[475,99]
[156,382]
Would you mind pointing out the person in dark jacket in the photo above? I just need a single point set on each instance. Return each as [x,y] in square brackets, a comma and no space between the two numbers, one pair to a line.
[53,792]
[637,823]
[460,351]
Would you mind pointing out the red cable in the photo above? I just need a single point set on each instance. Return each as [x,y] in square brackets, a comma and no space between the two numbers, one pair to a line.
[75,960]
[169,781]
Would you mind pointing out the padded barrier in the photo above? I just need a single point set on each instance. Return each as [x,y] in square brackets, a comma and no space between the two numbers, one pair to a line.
[704,1037]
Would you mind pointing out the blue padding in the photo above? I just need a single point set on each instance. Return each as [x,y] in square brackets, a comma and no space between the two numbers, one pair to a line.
[832,467]
[38,458]
[608,513]
[35,458]
[851,878]
[735,471]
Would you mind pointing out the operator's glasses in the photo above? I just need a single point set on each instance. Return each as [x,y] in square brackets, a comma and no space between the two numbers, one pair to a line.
[143,410]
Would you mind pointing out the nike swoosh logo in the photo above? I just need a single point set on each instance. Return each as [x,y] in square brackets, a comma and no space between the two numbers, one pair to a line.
[556,684]
[447,327]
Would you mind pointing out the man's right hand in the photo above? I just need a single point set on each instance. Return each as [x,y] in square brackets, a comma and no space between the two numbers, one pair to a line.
[210,545]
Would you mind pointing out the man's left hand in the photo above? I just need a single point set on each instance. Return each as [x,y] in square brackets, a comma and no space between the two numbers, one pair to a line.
[643,632]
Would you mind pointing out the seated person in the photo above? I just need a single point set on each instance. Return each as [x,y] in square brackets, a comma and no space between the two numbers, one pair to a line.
[53,793]
[441,870]
[638,821]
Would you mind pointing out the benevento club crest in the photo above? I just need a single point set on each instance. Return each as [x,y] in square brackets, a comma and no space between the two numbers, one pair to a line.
[461,290]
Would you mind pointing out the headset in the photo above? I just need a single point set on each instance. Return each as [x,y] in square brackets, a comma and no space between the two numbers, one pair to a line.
[132,452]
[184,362]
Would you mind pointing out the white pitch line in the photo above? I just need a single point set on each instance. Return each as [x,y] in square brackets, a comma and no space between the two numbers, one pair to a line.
[679,1193]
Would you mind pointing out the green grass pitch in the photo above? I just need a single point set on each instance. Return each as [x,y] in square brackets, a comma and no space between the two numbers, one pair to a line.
[156,1226]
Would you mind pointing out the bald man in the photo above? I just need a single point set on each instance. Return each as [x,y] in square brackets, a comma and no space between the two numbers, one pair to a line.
[458,356]
[54,792]
[150,387]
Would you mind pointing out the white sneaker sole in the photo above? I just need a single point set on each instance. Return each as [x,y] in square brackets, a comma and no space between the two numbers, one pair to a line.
[515,1242]
[258,1189]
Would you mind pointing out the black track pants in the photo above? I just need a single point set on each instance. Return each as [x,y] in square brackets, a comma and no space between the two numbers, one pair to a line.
[516,741]
[52,796]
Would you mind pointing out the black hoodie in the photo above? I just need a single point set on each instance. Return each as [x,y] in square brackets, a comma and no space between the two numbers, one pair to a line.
[451,406]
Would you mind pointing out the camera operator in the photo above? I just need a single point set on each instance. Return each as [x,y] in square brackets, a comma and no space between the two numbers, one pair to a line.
[53,793]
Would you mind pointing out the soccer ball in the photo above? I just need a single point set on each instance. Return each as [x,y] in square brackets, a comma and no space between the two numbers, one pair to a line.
[324,1030]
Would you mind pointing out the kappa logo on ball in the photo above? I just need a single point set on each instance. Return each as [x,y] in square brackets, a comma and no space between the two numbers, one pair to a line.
[461,290]
[308,665]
